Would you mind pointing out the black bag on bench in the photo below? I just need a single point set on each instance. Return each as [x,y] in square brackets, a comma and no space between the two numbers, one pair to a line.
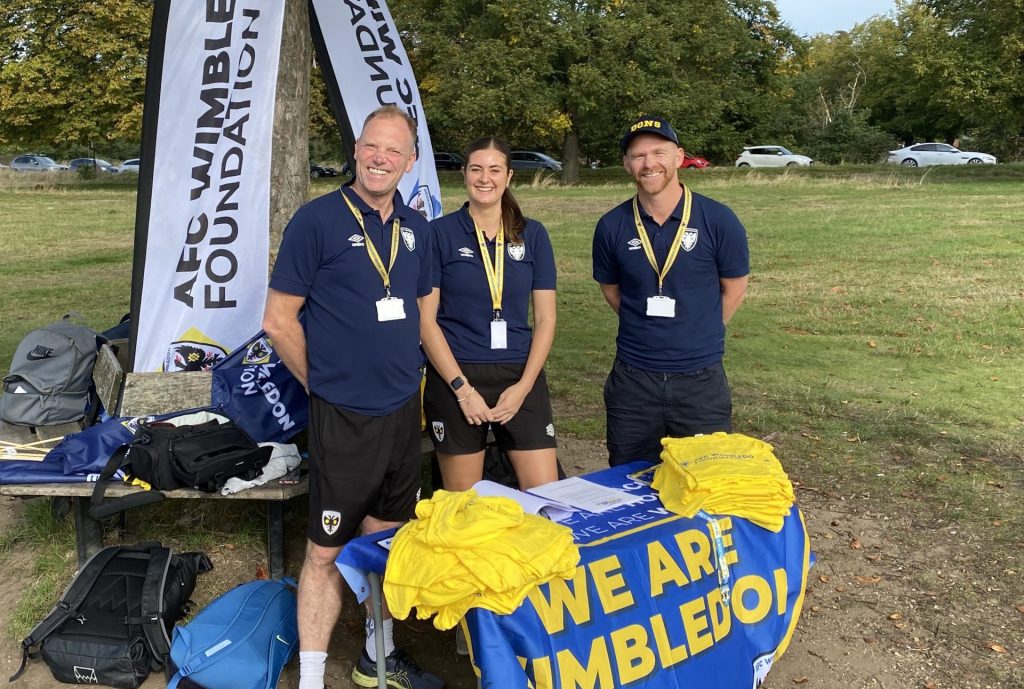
[168,456]
[112,624]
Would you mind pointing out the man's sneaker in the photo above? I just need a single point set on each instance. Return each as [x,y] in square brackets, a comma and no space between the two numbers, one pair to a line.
[402,672]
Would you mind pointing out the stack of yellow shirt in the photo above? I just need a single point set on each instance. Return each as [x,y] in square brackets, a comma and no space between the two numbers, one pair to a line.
[724,473]
[465,551]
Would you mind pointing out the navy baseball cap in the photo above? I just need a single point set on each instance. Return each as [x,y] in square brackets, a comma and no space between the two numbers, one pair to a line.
[648,124]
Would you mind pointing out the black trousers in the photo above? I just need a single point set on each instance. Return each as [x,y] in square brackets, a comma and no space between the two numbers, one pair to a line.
[644,406]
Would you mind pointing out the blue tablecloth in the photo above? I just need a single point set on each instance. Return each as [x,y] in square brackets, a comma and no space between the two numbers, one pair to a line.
[658,600]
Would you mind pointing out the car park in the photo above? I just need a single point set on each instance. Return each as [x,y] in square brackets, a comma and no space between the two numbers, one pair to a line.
[36,163]
[317,170]
[95,163]
[532,160]
[448,161]
[131,165]
[937,154]
[693,162]
[770,156]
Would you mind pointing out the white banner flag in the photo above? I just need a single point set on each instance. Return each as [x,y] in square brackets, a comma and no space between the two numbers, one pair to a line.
[365,66]
[203,216]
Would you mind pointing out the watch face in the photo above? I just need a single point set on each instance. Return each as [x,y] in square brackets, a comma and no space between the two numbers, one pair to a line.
[457,383]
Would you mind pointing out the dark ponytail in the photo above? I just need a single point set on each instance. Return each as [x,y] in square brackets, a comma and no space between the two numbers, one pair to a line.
[511,215]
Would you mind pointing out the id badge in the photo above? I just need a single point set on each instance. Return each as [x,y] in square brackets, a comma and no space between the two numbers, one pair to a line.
[661,307]
[391,309]
[499,334]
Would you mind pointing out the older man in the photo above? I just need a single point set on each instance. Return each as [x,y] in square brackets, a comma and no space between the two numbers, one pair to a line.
[673,265]
[357,261]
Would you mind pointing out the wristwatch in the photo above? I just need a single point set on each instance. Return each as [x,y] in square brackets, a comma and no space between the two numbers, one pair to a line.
[457,383]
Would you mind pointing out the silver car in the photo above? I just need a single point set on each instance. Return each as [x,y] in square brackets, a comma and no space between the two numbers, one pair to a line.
[532,160]
[770,156]
[36,163]
[129,166]
[937,154]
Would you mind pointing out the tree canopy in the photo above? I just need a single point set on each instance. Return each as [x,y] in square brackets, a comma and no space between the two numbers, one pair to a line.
[565,76]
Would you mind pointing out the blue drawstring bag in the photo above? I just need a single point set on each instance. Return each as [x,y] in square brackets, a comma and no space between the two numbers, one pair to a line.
[241,640]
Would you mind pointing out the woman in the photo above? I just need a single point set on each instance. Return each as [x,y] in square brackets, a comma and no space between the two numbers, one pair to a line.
[486,367]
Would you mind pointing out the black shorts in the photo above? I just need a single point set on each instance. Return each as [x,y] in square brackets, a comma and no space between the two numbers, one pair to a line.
[644,406]
[531,428]
[360,465]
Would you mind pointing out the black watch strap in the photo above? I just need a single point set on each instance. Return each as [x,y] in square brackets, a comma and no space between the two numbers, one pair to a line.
[457,383]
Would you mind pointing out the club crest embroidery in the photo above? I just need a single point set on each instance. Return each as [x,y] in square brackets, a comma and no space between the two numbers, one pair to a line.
[689,239]
[258,352]
[517,252]
[409,238]
[330,520]
[438,428]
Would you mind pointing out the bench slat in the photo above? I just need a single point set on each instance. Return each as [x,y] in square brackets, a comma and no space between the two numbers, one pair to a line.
[269,491]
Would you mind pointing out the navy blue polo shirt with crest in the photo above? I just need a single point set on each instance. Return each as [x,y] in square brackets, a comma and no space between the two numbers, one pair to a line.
[465,311]
[695,337]
[355,361]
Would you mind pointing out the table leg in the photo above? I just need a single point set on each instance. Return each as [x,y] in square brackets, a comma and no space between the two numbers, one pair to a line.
[88,531]
[377,607]
[275,538]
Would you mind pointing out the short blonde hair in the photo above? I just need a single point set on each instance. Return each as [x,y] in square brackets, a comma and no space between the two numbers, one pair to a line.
[395,111]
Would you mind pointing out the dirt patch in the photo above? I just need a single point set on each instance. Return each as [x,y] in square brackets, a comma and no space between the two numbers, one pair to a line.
[891,604]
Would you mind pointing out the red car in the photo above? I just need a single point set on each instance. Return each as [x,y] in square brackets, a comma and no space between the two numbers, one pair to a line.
[693,162]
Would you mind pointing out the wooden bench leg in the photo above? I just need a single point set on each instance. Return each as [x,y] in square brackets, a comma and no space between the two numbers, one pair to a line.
[88,531]
[275,538]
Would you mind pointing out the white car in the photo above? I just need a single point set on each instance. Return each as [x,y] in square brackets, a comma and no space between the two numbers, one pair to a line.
[937,154]
[129,166]
[770,156]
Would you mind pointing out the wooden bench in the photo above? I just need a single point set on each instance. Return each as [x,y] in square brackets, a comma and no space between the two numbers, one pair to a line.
[89,531]
[142,394]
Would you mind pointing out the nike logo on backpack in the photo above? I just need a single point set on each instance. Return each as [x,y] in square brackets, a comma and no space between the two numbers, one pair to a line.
[40,352]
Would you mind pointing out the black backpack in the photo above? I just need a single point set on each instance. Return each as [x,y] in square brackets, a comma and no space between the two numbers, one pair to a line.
[113,622]
[168,456]
[50,376]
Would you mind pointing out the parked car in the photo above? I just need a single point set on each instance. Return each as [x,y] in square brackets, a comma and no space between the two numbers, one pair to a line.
[98,163]
[770,156]
[36,163]
[317,170]
[448,161]
[129,166]
[531,160]
[937,154]
[693,162]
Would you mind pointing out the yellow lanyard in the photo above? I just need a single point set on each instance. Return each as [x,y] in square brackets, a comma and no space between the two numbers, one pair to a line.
[496,273]
[371,250]
[673,250]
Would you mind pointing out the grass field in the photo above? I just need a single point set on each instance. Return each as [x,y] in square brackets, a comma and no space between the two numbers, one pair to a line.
[879,348]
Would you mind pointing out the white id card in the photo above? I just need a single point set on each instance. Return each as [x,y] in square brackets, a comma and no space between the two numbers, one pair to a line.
[499,334]
[391,309]
[661,307]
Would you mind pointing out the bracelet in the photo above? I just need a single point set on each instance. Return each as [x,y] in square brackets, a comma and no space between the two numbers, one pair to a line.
[460,401]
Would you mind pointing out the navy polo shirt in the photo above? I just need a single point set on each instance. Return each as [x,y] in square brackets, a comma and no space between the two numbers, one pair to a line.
[355,361]
[466,310]
[695,337]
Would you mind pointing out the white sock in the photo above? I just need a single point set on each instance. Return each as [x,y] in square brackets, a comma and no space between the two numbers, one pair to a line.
[311,669]
[371,640]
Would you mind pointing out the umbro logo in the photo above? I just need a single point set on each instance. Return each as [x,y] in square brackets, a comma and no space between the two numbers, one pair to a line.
[635,244]
[357,240]
[466,252]
[40,352]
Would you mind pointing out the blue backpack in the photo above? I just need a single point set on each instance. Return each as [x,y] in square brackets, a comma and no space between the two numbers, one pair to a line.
[242,640]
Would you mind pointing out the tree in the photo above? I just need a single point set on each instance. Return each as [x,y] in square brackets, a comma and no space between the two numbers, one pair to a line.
[570,75]
[72,73]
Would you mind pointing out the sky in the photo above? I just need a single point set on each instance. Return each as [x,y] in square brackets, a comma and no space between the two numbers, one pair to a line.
[808,17]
